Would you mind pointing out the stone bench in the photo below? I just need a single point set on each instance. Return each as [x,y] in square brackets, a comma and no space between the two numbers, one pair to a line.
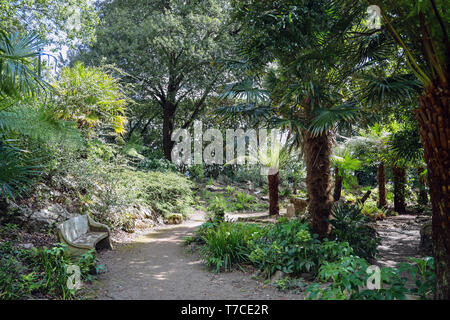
[82,233]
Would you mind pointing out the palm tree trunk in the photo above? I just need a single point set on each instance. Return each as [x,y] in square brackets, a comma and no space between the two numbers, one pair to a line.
[337,184]
[317,150]
[381,177]
[423,195]
[399,174]
[433,115]
[274,180]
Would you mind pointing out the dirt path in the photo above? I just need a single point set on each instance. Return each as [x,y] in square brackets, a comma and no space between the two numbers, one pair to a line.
[157,266]
[400,238]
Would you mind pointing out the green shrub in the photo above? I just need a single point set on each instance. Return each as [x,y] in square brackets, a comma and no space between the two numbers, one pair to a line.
[371,210]
[218,207]
[197,172]
[350,225]
[287,246]
[40,271]
[349,278]
[161,165]
[226,244]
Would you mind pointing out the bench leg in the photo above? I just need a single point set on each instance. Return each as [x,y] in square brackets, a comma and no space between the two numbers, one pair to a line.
[105,244]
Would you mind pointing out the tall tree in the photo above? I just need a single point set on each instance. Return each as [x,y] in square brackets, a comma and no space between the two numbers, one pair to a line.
[170,49]
[306,44]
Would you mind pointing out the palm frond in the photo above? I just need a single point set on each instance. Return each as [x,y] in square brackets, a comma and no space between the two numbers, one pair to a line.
[18,72]
[326,118]
[39,122]
[393,89]
[16,171]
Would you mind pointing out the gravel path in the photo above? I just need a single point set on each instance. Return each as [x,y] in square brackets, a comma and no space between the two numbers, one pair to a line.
[400,238]
[158,266]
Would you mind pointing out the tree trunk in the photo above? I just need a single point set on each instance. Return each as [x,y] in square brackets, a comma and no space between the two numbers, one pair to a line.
[399,174]
[337,184]
[381,177]
[434,123]
[423,195]
[274,180]
[317,150]
[168,124]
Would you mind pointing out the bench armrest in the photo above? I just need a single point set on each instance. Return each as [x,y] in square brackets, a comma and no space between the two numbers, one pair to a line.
[97,227]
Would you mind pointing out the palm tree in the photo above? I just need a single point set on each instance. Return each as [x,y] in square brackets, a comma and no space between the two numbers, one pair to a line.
[421,30]
[20,65]
[343,162]
[19,77]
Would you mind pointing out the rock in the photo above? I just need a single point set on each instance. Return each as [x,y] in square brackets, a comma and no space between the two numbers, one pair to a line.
[308,276]
[426,241]
[129,225]
[290,212]
[146,212]
[255,275]
[50,215]
[144,224]
[27,246]
[299,204]
[277,276]
[175,218]
[214,188]
[422,219]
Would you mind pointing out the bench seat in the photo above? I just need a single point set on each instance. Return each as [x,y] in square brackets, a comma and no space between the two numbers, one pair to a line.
[82,233]
[90,239]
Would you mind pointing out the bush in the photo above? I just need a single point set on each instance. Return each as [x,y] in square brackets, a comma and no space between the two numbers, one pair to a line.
[287,246]
[161,165]
[108,188]
[350,225]
[371,210]
[226,244]
[24,273]
[233,201]
[349,277]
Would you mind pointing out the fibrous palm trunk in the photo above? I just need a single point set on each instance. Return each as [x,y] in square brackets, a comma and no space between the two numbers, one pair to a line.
[423,195]
[381,177]
[399,174]
[274,180]
[337,184]
[433,115]
[317,150]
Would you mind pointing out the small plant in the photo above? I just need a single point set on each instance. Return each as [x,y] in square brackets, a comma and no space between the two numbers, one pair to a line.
[230,190]
[350,225]
[371,210]
[422,272]
[26,272]
[286,283]
[226,244]
[349,279]
[287,246]
[218,207]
